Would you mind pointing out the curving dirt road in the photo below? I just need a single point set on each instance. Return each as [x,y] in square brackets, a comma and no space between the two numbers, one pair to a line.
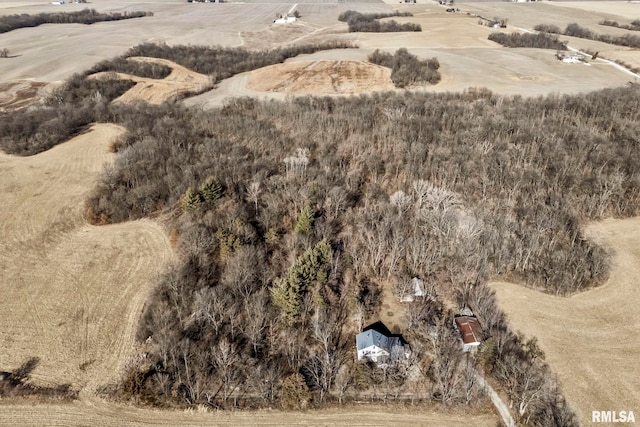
[500,406]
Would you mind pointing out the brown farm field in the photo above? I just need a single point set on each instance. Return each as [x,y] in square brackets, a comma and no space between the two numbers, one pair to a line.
[590,339]
[322,77]
[112,415]
[51,53]
[73,293]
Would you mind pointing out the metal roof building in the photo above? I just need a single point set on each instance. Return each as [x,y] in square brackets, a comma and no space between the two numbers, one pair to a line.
[470,331]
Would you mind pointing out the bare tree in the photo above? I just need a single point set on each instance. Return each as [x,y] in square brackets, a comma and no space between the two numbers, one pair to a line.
[253,192]
[401,201]
[226,360]
[296,166]
[323,367]
[447,367]
[211,306]
[255,324]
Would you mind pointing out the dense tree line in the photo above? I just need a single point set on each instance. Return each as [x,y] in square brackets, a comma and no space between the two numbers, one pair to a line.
[407,69]
[575,30]
[151,70]
[353,15]
[67,111]
[369,22]
[548,28]
[221,62]
[633,26]
[539,40]
[86,16]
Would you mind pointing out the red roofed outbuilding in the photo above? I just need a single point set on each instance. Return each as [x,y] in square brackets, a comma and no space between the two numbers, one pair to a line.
[470,331]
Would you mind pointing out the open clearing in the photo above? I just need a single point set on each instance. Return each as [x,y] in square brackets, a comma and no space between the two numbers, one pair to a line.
[322,77]
[18,94]
[467,58]
[156,91]
[53,52]
[590,339]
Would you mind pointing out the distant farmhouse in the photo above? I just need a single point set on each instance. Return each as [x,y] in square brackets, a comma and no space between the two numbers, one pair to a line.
[285,19]
[470,331]
[377,344]
[289,17]
[493,23]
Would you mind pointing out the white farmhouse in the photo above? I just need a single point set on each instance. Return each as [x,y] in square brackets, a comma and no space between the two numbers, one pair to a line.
[284,19]
[378,347]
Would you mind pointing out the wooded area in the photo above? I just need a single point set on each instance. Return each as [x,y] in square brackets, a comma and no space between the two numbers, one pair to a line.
[575,30]
[290,218]
[370,22]
[86,16]
[288,260]
[151,70]
[407,69]
[632,26]
[81,100]
[221,63]
[540,40]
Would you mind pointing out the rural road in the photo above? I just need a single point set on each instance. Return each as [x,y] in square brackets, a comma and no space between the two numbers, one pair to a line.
[502,408]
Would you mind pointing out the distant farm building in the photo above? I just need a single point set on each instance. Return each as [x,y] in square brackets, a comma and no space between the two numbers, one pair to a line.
[377,344]
[288,18]
[470,331]
[571,59]
[284,19]
[493,23]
